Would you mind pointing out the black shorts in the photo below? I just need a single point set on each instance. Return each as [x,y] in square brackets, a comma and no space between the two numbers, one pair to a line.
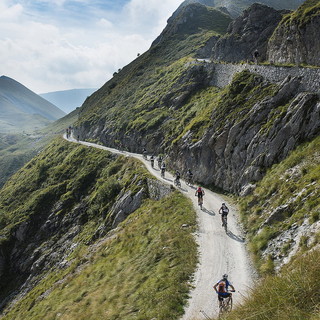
[221,296]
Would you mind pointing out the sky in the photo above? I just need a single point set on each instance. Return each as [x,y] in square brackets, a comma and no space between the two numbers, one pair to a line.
[54,45]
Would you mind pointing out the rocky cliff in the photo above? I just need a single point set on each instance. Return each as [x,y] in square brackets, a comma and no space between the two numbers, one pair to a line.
[255,125]
[297,39]
[249,32]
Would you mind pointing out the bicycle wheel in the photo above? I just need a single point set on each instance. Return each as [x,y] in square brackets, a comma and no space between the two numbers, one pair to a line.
[200,202]
[228,306]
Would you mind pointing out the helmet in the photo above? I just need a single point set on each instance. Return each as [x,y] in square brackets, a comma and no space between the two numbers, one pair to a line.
[225,276]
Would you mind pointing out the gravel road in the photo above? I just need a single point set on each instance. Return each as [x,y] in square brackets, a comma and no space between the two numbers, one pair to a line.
[219,251]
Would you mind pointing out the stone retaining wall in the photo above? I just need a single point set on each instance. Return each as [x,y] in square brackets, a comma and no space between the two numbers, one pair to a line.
[223,74]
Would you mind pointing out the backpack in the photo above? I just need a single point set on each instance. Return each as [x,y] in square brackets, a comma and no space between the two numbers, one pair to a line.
[222,286]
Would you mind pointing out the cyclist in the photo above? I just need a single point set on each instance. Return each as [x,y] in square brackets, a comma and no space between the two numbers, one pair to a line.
[177,180]
[163,169]
[200,193]
[221,288]
[189,176]
[159,161]
[152,161]
[224,210]
[144,153]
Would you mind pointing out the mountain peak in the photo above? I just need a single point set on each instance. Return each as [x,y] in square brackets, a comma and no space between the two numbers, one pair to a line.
[235,7]
[22,109]
[192,18]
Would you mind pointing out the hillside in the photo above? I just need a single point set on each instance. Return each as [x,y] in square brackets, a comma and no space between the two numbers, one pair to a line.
[86,234]
[15,151]
[23,110]
[64,248]
[18,148]
[68,100]
[230,136]
[296,39]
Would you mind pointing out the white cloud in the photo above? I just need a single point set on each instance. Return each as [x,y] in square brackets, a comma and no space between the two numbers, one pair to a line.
[10,13]
[49,56]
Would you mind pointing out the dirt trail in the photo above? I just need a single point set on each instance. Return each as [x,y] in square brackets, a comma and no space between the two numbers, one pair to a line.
[219,252]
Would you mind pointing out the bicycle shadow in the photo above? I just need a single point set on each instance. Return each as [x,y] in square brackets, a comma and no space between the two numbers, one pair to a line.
[231,235]
[209,212]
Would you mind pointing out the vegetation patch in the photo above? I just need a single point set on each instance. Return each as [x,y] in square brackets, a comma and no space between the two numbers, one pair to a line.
[288,195]
[141,270]
[293,294]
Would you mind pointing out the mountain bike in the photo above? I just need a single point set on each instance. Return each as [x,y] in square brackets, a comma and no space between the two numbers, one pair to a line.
[152,163]
[225,222]
[225,304]
[177,183]
[200,202]
[189,181]
[162,172]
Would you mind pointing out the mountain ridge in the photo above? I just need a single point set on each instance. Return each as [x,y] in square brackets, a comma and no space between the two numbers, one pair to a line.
[68,100]
[235,7]
[22,109]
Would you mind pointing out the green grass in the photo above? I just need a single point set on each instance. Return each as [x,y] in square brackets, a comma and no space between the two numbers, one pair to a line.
[309,10]
[15,151]
[294,183]
[291,295]
[141,270]
[140,98]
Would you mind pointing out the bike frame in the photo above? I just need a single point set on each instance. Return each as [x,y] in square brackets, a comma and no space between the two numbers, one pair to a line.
[225,221]
[225,305]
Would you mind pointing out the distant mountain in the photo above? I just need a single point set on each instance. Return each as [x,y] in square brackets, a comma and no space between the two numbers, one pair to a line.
[22,109]
[235,7]
[68,100]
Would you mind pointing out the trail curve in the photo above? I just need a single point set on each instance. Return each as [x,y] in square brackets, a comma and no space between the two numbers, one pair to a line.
[219,252]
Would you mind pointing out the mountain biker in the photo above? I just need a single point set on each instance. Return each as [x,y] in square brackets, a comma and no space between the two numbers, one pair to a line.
[178,175]
[222,286]
[200,193]
[163,169]
[224,210]
[152,161]
[144,153]
[159,161]
[189,176]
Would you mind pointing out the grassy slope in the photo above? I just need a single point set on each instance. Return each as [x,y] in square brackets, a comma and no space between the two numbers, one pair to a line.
[292,295]
[141,91]
[17,149]
[141,271]
[293,183]
[304,14]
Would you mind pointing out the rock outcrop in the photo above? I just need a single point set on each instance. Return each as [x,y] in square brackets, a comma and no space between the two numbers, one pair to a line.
[297,38]
[249,32]
[192,18]
[238,153]
[235,7]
